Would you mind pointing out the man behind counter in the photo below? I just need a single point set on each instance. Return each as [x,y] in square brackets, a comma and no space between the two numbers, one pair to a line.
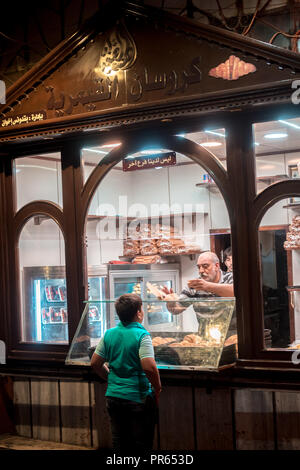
[212,282]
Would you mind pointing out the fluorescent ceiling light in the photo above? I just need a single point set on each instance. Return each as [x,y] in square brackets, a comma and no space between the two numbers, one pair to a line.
[289,124]
[150,152]
[215,133]
[158,167]
[180,135]
[275,135]
[256,143]
[96,151]
[211,144]
[110,145]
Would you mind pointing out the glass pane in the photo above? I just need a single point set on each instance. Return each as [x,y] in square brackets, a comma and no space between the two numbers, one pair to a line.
[207,348]
[279,236]
[277,150]
[44,309]
[155,313]
[92,156]
[148,221]
[45,171]
[97,312]
[213,140]
[186,207]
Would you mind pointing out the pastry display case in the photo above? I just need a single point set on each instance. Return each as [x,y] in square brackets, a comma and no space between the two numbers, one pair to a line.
[211,345]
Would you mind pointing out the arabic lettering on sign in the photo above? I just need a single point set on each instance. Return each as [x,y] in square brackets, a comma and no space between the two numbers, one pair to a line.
[108,88]
[171,82]
[105,89]
[23,119]
[141,163]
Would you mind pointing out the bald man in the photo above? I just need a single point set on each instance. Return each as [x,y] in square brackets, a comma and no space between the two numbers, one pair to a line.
[212,282]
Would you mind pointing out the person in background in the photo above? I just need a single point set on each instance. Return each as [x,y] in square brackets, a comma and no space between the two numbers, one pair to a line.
[131,401]
[228,258]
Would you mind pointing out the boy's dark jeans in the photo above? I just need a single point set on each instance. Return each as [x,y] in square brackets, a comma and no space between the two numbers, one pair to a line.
[132,424]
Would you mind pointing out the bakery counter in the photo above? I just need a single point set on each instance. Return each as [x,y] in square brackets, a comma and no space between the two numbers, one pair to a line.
[200,337]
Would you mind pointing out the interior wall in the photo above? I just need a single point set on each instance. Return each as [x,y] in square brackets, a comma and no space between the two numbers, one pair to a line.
[172,185]
[38,179]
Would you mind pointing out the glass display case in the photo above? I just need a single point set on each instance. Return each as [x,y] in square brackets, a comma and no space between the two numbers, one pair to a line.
[45,304]
[212,345]
[132,279]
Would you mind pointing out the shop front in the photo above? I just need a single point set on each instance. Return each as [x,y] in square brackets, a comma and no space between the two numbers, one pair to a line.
[139,143]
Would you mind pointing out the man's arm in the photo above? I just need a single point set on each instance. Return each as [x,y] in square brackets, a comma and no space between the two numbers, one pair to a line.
[221,290]
[174,307]
[149,367]
[99,366]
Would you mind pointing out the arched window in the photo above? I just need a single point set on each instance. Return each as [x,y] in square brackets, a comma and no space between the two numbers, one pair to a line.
[44,309]
[279,240]
[149,219]
[38,177]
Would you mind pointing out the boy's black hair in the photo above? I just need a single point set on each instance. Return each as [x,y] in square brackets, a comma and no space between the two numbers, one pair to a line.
[127,306]
[227,253]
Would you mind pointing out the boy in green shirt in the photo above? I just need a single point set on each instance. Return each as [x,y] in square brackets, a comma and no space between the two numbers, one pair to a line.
[131,402]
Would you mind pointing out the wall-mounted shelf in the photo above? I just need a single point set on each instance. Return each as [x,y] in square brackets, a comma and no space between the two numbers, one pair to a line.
[211,186]
[260,179]
[271,179]
[292,206]
[143,219]
[164,255]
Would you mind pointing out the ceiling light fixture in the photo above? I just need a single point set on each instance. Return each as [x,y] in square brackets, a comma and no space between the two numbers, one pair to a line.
[289,124]
[96,151]
[276,135]
[110,145]
[150,152]
[215,133]
[211,144]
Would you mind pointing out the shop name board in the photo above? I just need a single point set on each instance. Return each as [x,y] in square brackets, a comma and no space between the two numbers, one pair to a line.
[25,118]
[110,88]
[151,161]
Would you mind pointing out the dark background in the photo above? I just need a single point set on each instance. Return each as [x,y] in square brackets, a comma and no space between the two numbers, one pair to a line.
[30,29]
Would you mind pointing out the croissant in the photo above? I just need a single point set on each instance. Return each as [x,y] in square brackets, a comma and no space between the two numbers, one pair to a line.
[232,69]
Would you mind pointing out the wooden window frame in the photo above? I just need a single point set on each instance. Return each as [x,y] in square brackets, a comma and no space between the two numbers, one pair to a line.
[238,187]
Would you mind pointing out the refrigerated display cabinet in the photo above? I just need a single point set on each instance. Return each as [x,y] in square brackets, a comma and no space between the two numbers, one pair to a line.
[128,279]
[210,347]
[45,310]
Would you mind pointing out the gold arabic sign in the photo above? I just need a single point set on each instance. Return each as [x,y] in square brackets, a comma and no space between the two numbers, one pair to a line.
[151,161]
[109,88]
[134,65]
[23,119]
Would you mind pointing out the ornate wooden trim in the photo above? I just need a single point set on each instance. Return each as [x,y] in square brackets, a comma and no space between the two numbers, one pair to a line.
[274,193]
[47,208]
